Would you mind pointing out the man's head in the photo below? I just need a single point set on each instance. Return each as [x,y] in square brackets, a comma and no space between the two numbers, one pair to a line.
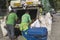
[12,11]
[27,12]
[40,6]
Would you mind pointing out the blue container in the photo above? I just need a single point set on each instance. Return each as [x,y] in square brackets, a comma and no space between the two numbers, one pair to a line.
[42,31]
[36,34]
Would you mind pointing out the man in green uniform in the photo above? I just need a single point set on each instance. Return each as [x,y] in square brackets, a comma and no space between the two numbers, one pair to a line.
[25,21]
[11,18]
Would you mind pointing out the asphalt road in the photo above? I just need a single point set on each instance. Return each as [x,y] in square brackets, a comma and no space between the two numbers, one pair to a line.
[55,33]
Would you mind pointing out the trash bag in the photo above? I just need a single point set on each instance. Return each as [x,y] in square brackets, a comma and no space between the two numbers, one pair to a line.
[35,23]
[42,19]
[4,31]
[48,20]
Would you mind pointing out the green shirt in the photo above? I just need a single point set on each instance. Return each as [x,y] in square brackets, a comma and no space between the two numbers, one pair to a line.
[26,18]
[12,17]
[25,22]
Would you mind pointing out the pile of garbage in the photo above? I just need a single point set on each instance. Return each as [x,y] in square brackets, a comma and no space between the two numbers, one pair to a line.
[3,24]
[43,21]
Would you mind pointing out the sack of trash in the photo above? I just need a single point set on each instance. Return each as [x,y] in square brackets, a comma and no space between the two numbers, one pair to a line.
[3,24]
[48,20]
[4,31]
[36,23]
[42,19]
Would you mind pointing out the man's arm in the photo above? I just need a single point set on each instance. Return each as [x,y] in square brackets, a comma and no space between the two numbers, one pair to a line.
[16,17]
[30,19]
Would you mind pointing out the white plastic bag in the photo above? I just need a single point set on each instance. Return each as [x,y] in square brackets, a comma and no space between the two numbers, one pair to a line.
[42,19]
[35,24]
[4,31]
[48,20]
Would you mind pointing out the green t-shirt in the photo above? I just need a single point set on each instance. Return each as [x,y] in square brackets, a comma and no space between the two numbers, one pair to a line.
[26,18]
[25,22]
[11,18]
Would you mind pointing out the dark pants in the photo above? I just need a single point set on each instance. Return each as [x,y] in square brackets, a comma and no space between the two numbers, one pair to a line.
[10,29]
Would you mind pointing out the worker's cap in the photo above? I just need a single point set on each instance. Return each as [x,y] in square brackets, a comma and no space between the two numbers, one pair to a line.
[10,8]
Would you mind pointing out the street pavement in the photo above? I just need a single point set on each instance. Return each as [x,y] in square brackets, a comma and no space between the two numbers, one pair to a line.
[55,33]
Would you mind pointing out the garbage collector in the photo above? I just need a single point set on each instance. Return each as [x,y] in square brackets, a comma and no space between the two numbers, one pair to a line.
[25,21]
[10,21]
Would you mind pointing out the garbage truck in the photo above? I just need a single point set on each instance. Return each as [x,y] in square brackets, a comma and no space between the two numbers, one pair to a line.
[17,5]
[32,7]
